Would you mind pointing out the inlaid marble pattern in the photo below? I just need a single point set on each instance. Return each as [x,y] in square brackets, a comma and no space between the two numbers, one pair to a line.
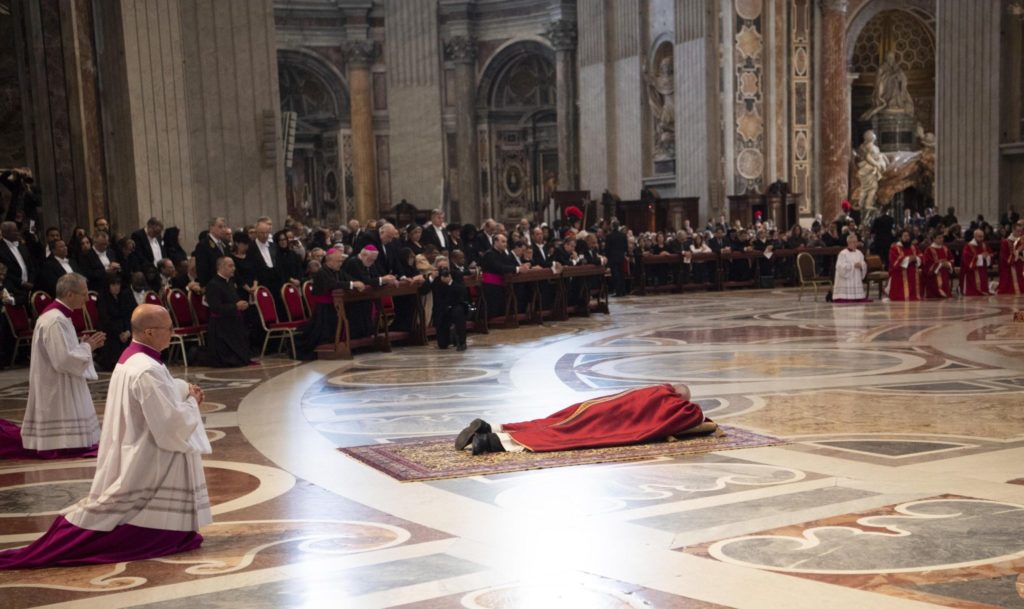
[901,486]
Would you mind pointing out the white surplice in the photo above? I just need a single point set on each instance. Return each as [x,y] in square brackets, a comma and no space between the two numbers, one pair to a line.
[849,283]
[149,472]
[60,412]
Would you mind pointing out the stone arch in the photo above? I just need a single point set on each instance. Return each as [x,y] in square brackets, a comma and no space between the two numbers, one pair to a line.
[516,117]
[923,10]
[317,183]
[321,75]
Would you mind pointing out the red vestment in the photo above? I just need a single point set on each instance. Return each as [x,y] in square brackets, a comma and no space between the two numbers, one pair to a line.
[1011,267]
[973,272]
[630,417]
[937,281]
[904,283]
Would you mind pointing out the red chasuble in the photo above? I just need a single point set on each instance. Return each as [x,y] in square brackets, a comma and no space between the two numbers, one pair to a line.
[936,280]
[630,417]
[1011,267]
[904,283]
[974,275]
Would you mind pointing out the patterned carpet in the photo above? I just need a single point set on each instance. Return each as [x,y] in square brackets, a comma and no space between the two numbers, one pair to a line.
[415,461]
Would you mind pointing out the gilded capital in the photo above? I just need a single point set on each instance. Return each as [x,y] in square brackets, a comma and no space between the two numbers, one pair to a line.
[838,6]
[360,53]
[461,49]
[562,34]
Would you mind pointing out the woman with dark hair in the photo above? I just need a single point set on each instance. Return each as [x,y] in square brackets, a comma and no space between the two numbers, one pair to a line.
[115,310]
[290,266]
[172,249]
[245,265]
[414,233]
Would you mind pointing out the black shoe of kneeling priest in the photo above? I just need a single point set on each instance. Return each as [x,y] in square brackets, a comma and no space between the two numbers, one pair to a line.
[487,443]
[466,435]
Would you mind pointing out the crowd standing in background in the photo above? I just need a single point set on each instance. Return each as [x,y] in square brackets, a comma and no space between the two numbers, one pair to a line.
[227,266]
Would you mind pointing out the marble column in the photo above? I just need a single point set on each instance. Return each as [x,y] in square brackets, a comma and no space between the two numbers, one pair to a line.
[462,51]
[359,54]
[562,34]
[835,109]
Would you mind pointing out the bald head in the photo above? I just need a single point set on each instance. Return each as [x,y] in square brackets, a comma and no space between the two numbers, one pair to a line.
[146,317]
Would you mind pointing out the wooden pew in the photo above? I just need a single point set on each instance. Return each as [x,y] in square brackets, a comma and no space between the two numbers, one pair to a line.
[381,338]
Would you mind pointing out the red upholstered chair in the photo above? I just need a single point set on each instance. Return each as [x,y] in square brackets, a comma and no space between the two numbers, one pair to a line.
[152,298]
[186,328]
[199,308]
[268,317]
[293,303]
[81,324]
[92,311]
[40,300]
[20,324]
[307,296]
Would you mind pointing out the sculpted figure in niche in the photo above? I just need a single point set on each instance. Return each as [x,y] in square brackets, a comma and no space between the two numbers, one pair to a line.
[661,97]
[870,167]
[890,95]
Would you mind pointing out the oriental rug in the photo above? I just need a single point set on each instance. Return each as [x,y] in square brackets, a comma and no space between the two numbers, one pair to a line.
[436,459]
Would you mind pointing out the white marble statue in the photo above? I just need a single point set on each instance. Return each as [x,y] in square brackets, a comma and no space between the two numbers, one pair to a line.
[871,165]
[890,95]
[661,97]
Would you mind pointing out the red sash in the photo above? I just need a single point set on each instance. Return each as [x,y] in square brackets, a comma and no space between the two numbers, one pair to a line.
[493,279]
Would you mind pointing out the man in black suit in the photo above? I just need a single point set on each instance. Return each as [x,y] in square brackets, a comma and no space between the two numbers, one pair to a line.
[263,253]
[149,241]
[435,233]
[385,239]
[354,230]
[882,229]
[212,248]
[450,297]
[484,240]
[21,272]
[55,267]
[615,246]
[227,338]
[100,260]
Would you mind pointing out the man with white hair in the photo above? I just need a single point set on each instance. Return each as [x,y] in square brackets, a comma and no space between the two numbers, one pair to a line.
[60,420]
[850,272]
[148,497]
[435,232]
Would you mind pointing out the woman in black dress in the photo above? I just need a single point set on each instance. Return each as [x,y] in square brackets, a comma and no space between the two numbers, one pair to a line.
[115,311]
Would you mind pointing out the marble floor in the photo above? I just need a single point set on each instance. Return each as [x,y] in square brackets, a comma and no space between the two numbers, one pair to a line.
[901,484]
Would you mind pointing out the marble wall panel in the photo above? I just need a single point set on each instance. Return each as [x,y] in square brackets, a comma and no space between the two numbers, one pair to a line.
[626,128]
[412,51]
[967,113]
[594,141]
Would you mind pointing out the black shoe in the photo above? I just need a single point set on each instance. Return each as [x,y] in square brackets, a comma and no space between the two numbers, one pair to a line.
[478,426]
[461,347]
[487,443]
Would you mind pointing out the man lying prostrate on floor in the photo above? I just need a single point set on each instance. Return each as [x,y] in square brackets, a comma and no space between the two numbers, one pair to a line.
[635,416]
[148,498]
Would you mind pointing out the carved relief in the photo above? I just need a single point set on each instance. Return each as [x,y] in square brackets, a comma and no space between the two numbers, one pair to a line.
[801,19]
[748,54]
[661,99]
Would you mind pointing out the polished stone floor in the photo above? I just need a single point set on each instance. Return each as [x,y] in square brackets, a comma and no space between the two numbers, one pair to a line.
[901,485]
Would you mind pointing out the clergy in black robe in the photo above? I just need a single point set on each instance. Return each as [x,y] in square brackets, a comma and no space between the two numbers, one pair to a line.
[363,268]
[495,264]
[115,308]
[324,323]
[227,339]
[405,306]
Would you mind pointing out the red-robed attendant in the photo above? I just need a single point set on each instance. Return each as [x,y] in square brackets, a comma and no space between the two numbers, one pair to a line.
[937,267]
[904,270]
[974,263]
[635,416]
[1011,262]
